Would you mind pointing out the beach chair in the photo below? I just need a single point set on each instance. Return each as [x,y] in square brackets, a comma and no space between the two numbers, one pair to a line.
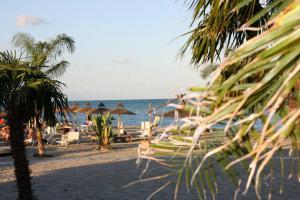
[50,130]
[49,138]
[69,138]
[5,150]
[122,136]
[156,121]
[50,134]
[155,125]
[144,126]
[120,124]
[2,142]
[144,132]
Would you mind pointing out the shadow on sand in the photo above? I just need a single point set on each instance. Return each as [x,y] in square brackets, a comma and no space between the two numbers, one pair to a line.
[105,181]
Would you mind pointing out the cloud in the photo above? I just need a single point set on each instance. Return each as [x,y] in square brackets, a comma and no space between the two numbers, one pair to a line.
[124,61]
[27,20]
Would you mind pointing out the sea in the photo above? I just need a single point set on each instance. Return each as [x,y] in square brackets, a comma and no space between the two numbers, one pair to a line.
[139,107]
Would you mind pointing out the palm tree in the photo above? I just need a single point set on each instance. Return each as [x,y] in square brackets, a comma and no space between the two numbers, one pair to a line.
[252,84]
[43,55]
[23,89]
[102,124]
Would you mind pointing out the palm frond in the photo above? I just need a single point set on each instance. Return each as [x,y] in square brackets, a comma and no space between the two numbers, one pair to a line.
[45,54]
[57,69]
[25,89]
[24,41]
[59,44]
[207,70]
[263,78]
[215,23]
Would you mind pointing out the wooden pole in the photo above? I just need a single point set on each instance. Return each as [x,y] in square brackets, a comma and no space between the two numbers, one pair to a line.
[149,112]
[150,123]
[75,118]
[119,123]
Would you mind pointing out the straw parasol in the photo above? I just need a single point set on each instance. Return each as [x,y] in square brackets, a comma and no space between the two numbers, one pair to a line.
[71,108]
[100,110]
[177,113]
[88,104]
[87,108]
[120,110]
[82,110]
[74,106]
[101,105]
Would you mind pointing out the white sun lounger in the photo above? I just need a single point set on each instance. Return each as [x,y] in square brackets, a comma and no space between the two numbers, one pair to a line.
[5,150]
[49,137]
[70,137]
[144,132]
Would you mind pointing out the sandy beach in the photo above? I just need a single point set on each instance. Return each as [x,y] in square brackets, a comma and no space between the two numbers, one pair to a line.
[79,172]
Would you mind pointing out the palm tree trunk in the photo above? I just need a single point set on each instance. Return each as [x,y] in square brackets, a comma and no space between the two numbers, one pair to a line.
[100,142]
[39,138]
[106,138]
[18,152]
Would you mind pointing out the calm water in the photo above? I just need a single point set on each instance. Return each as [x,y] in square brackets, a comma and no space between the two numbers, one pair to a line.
[140,107]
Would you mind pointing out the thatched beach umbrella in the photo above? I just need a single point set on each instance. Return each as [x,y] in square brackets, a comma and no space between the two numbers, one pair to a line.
[74,106]
[177,113]
[120,110]
[88,104]
[84,110]
[100,110]
[71,108]
[101,105]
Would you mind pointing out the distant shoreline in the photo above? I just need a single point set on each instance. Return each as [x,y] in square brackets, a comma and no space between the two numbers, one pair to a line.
[122,99]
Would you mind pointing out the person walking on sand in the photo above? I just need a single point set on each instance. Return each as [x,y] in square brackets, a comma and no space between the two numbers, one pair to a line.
[5,133]
[31,136]
[2,122]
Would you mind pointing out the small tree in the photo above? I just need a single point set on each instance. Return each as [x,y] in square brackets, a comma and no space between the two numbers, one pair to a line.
[102,126]
[22,90]
[43,56]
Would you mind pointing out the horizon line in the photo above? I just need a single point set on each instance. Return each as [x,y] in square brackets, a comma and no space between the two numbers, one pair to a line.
[121,99]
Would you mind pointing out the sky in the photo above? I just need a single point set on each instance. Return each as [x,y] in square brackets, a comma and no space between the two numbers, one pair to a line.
[125,49]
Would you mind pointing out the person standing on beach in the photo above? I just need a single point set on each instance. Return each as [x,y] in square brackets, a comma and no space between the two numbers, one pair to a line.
[2,122]
[31,136]
[5,133]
